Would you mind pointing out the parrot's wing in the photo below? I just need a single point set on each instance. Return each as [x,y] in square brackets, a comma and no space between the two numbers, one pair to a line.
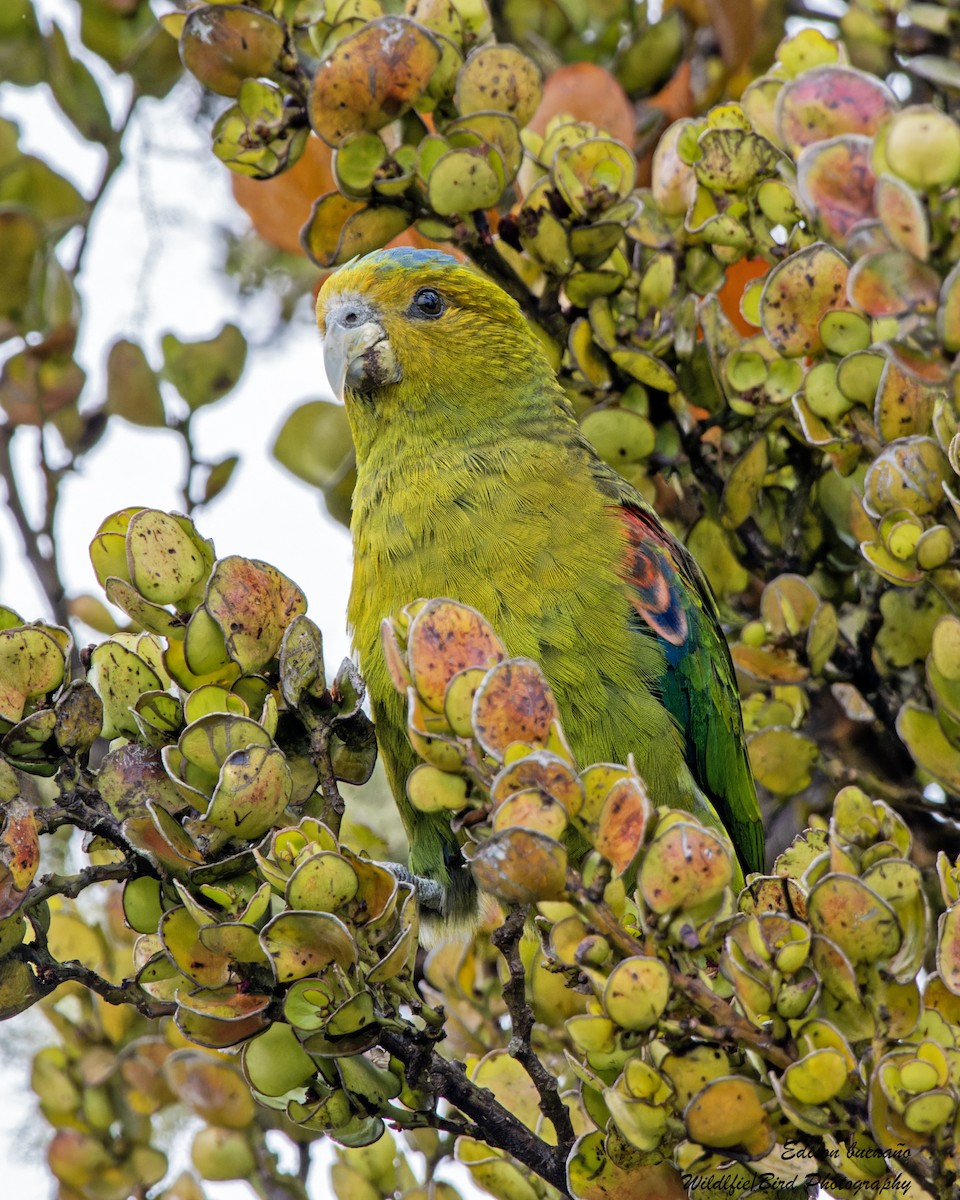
[670,595]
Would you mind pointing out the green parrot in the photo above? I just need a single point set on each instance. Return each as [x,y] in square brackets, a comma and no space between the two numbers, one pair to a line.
[475,482]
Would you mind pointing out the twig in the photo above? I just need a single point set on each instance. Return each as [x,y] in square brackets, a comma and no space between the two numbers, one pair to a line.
[498,19]
[185,430]
[72,809]
[729,1025]
[70,886]
[43,565]
[268,1182]
[304,1160]
[757,554]
[320,734]
[499,1127]
[114,161]
[51,973]
[507,941]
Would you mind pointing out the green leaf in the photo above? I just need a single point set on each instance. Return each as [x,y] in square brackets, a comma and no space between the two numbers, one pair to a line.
[31,184]
[219,476]
[19,250]
[23,60]
[76,91]
[204,371]
[315,443]
[133,391]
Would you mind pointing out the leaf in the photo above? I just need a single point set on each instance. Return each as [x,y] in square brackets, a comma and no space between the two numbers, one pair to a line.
[742,490]
[929,746]
[683,865]
[783,760]
[520,866]
[729,1112]
[499,78]
[922,145]
[315,443]
[891,283]
[23,57]
[339,229]
[32,664]
[19,248]
[133,391]
[166,563]
[213,1090]
[33,185]
[513,704]
[835,183]
[462,181]
[637,992]
[593,1175]
[305,943]
[253,603]
[76,91]
[830,100]
[445,638]
[253,789]
[218,476]
[860,923]
[205,370]
[224,45]
[797,293]
[257,136]
[371,78]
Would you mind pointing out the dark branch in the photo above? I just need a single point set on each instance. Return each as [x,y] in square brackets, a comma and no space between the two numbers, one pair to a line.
[507,941]
[110,168]
[51,973]
[728,1024]
[500,1128]
[320,736]
[72,809]
[43,565]
[70,886]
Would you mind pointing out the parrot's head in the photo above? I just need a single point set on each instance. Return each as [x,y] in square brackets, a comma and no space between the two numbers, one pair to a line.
[419,333]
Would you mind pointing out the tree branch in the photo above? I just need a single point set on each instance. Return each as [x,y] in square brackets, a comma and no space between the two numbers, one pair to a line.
[72,809]
[501,1129]
[757,553]
[729,1025]
[320,735]
[114,161]
[70,886]
[51,973]
[43,565]
[507,941]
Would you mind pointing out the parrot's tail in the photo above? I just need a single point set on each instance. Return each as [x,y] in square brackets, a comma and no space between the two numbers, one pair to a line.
[436,859]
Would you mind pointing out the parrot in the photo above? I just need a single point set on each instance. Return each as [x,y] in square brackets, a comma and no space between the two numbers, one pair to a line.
[475,483]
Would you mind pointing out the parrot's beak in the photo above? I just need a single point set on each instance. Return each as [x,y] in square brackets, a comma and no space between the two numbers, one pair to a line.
[357,354]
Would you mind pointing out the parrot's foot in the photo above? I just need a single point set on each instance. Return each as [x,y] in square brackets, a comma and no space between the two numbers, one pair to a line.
[431,895]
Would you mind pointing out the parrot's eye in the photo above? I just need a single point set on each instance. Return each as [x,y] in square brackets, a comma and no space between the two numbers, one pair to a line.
[428,303]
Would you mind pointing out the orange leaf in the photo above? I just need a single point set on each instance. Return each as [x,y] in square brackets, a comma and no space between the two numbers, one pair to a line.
[587,92]
[280,207]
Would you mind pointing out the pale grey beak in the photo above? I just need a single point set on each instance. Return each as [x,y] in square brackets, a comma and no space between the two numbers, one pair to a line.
[356,353]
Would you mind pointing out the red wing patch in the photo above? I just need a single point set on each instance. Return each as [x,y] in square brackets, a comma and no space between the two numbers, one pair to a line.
[650,570]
